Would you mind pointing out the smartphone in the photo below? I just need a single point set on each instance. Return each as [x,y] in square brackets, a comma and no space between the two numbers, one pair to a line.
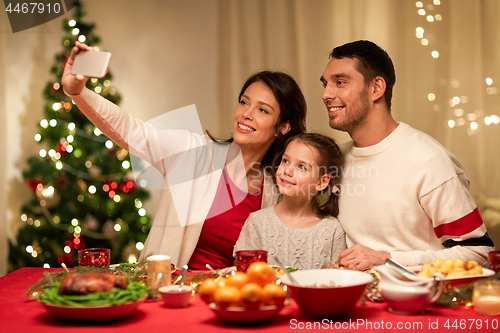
[91,63]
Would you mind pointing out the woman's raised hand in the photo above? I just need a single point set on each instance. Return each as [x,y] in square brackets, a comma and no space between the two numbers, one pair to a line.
[74,84]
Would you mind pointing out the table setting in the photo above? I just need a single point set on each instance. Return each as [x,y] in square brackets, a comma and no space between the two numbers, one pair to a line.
[157,294]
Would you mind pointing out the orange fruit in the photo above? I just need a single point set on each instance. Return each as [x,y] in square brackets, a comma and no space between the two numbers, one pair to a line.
[227,296]
[237,279]
[261,273]
[208,289]
[252,296]
[274,294]
[221,281]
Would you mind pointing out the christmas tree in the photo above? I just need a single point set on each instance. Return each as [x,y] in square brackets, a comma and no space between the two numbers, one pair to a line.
[83,193]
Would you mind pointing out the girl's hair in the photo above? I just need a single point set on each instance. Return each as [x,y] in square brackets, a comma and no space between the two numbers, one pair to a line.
[330,161]
[293,108]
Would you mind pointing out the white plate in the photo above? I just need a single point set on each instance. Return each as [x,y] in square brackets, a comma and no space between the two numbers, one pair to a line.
[227,270]
[93,313]
[241,315]
[113,266]
[458,279]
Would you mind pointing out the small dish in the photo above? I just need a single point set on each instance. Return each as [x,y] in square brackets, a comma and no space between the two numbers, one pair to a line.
[93,313]
[241,315]
[176,296]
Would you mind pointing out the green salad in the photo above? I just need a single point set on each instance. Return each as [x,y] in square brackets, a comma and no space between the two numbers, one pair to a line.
[135,291]
[288,269]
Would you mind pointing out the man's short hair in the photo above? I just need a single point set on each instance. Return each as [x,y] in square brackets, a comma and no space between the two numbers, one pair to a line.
[373,62]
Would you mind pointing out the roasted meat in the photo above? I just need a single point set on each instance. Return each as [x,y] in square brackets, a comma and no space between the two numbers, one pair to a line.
[87,283]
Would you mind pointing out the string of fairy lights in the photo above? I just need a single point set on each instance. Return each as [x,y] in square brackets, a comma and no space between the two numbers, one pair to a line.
[47,192]
[460,117]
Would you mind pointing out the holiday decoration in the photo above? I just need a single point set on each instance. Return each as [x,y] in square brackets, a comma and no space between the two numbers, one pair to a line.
[82,194]
[463,115]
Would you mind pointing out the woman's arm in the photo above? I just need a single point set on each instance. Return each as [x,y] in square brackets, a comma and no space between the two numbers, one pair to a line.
[139,138]
[108,117]
[74,84]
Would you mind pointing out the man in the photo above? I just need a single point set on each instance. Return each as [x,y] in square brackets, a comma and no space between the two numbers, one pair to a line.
[404,196]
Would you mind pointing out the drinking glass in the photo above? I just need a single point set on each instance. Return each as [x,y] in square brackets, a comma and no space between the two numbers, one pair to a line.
[494,258]
[486,297]
[159,274]
[245,257]
[97,257]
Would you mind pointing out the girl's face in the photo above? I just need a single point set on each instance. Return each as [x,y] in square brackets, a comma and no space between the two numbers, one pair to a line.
[255,117]
[298,173]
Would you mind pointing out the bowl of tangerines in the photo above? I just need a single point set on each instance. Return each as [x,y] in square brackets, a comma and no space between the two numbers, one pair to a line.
[252,296]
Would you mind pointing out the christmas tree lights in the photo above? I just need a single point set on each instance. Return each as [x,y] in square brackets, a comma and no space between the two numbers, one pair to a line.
[83,192]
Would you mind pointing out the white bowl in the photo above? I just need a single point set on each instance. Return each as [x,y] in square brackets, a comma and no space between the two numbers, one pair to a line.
[327,293]
[404,296]
[175,298]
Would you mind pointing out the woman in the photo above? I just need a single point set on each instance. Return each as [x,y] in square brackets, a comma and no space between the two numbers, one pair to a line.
[215,204]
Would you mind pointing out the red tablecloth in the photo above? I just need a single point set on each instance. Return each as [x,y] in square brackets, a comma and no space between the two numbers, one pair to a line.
[17,314]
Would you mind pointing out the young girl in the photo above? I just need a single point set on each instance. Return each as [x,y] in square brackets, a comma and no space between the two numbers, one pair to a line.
[302,230]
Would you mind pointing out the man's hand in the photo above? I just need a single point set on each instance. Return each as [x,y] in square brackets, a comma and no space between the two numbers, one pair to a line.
[361,257]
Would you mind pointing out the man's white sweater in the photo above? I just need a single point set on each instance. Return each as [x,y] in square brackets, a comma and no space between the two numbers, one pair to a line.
[408,195]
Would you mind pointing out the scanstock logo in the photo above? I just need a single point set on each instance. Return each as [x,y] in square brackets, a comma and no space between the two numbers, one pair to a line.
[26,14]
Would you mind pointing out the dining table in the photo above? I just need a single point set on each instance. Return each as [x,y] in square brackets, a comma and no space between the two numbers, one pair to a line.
[18,313]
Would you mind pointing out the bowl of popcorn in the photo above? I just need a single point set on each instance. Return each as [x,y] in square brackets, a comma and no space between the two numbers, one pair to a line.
[455,271]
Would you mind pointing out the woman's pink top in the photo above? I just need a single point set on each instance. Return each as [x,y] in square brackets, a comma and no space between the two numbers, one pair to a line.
[223,225]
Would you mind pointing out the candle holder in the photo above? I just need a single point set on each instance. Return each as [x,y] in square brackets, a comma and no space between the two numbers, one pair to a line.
[486,297]
[494,258]
[96,257]
[245,257]
[159,274]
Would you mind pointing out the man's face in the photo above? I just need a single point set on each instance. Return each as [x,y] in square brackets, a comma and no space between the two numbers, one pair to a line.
[345,94]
